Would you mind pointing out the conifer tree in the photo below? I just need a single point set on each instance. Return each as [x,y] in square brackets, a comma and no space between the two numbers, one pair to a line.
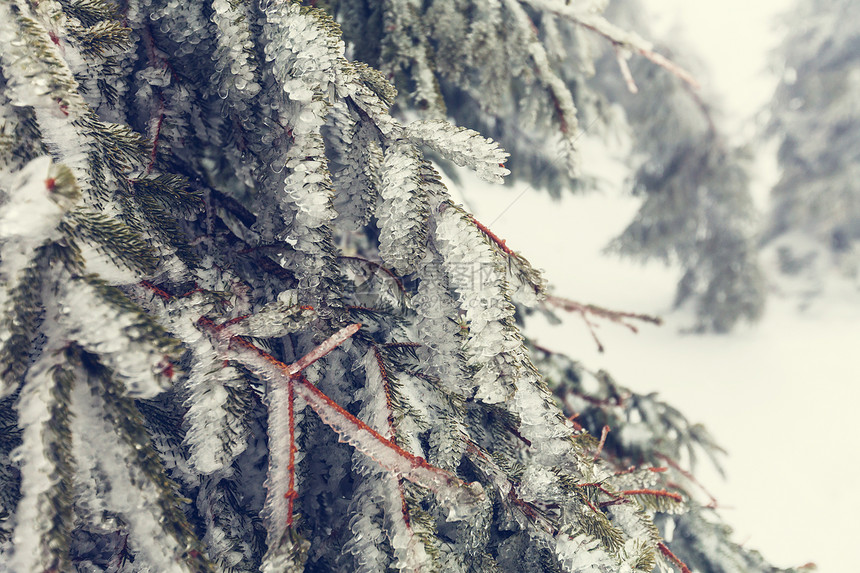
[697,210]
[814,223]
[245,328]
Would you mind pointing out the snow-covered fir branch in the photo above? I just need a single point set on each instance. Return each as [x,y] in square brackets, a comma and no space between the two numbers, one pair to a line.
[246,328]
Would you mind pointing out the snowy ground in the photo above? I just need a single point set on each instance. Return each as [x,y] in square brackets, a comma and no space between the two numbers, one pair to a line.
[778,395]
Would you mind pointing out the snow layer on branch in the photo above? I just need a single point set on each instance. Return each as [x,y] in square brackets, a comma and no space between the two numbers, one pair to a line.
[406,46]
[368,540]
[39,475]
[474,271]
[36,199]
[465,147]
[358,181]
[129,493]
[459,498]
[273,320]
[583,553]
[46,83]
[117,333]
[441,347]
[234,64]
[214,434]
[504,372]
[304,55]
[555,86]
[379,486]
[402,209]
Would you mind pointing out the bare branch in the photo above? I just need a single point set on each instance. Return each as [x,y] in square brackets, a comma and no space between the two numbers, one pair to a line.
[619,38]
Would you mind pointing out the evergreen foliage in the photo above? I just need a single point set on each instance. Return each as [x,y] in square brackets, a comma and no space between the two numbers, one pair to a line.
[814,222]
[537,75]
[245,328]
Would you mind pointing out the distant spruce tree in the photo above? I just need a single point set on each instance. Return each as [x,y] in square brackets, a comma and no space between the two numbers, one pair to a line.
[245,328]
[697,211]
[535,75]
[814,222]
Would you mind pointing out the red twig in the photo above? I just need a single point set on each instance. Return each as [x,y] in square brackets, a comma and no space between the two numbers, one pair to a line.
[492,236]
[517,433]
[603,434]
[162,294]
[655,493]
[673,558]
[713,501]
[615,316]
[232,321]
[599,488]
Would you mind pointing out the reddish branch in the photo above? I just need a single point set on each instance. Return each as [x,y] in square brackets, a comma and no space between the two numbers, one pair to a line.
[689,476]
[655,493]
[166,296]
[292,371]
[621,497]
[155,57]
[315,399]
[518,435]
[350,428]
[159,292]
[232,321]
[603,433]
[615,316]
[492,236]
[673,558]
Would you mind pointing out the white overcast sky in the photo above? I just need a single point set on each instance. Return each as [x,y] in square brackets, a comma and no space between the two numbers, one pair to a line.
[733,37]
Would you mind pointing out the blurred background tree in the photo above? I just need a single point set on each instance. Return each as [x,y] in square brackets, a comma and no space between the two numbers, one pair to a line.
[814,221]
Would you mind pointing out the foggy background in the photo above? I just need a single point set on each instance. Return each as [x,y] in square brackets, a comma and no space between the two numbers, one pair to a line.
[779,395]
